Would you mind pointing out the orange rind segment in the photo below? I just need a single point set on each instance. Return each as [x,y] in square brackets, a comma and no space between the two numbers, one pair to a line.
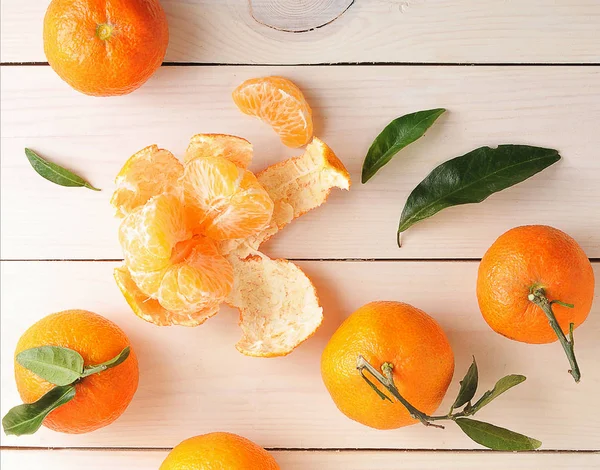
[278,304]
[149,172]
[224,201]
[296,186]
[280,103]
[233,148]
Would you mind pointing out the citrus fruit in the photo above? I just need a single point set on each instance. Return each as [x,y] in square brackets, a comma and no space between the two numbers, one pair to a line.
[100,398]
[233,148]
[105,48]
[225,201]
[218,451]
[280,103]
[529,257]
[396,333]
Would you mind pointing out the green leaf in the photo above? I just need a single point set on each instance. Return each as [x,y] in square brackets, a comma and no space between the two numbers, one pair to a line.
[114,362]
[60,366]
[472,178]
[468,386]
[504,384]
[494,437]
[397,134]
[54,173]
[27,418]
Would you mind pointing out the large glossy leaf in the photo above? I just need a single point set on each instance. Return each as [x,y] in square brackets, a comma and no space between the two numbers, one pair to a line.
[60,366]
[473,177]
[397,135]
[114,362]
[496,438]
[27,418]
[504,384]
[56,173]
[468,386]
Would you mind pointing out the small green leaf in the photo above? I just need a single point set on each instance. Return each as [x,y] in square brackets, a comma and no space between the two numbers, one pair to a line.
[496,438]
[397,134]
[504,384]
[60,366]
[468,386]
[55,173]
[473,177]
[114,362]
[27,418]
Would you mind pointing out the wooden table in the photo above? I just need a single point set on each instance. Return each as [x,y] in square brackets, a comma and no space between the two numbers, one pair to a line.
[507,71]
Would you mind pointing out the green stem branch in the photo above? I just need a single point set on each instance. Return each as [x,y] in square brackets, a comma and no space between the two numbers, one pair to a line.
[538,297]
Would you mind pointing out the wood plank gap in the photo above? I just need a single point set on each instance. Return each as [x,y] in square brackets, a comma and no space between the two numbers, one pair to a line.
[334,260]
[350,64]
[295,449]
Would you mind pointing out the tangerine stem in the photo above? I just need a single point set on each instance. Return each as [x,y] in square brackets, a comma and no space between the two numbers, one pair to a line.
[387,380]
[538,297]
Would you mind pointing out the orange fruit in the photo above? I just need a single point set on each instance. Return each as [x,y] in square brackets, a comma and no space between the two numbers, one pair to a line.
[524,258]
[225,201]
[219,451]
[279,103]
[397,333]
[100,398]
[105,48]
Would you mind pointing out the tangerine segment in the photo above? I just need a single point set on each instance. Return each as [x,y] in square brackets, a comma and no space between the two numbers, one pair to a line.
[224,201]
[197,284]
[233,148]
[150,233]
[296,186]
[280,103]
[149,172]
[278,304]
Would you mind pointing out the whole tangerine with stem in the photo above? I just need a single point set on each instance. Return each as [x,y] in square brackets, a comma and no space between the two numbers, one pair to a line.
[105,48]
[219,451]
[99,398]
[405,339]
[535,285]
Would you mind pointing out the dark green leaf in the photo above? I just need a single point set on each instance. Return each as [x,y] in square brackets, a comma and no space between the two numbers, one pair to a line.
[397,134]
[496,438]
[473,177]
[27,418]
[60,366]
[114,362]
[504,384]
[56,174]
[468,386]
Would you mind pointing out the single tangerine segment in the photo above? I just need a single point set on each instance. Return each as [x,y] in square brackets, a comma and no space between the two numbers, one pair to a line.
[224,201]
[280,103]
[278,304]
[148,173]
[233,148]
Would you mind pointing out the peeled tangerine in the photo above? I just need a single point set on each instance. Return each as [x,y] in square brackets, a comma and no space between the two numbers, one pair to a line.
[190,236]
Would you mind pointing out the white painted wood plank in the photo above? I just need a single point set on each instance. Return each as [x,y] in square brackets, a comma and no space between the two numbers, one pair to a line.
[308,460]
[484,31]
[555,107]
[193,381]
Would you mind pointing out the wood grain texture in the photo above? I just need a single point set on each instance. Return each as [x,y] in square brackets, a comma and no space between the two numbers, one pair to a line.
[362,460]
[193,381]
[552,107]
[465,31]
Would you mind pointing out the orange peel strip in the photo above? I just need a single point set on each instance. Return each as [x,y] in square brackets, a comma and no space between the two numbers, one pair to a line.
[278,304]
[296,186]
